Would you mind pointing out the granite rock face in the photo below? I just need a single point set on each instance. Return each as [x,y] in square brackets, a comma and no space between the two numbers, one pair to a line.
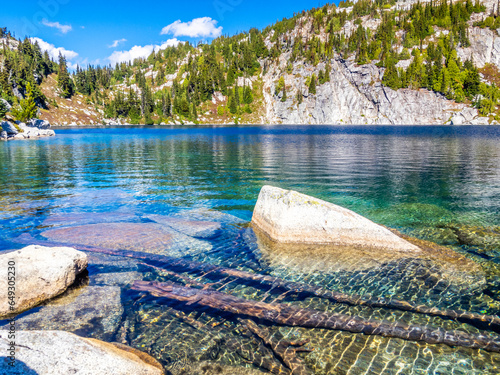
[291,217]
[41,273]
[355,95]
[63,353]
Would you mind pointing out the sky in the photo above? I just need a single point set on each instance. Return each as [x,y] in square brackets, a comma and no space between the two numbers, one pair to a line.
[108,31]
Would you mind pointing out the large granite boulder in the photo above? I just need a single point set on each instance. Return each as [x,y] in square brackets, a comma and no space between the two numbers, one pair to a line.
[63,353]
[291,217]
[41,273]
[9,128]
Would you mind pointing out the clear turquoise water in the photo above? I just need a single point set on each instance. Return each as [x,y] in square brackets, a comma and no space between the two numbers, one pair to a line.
[434,183]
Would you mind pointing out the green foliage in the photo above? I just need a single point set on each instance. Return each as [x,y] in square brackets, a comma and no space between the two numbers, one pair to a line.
[64,80]
[284,97]
[3,109]
[279,86]
[27,108]
[312,85]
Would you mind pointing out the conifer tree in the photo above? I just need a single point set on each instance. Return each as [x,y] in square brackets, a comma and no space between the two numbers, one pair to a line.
[27,109]
[233,108]
[284,98]
[312,85]
[63,79]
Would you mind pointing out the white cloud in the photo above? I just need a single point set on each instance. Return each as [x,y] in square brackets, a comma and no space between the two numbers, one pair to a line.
[199,27]
[54,51]
[140,51]
[117,42]
[62,28]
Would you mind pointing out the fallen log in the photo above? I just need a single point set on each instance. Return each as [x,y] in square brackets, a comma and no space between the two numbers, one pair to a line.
[480,320]
[285,351]
[300,317]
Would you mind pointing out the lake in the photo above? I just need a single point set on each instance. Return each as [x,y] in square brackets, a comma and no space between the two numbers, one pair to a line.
[440,184]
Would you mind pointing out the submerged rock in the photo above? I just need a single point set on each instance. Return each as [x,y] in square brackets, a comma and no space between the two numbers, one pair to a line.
[41,273]
[303,237]
[63,353]
[94,311]
[145,237]
[198,229]
[291,217]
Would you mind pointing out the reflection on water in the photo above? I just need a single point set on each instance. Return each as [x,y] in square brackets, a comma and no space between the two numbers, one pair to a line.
[190,192]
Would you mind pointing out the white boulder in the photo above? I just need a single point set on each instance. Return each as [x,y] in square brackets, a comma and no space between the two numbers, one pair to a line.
[36,274]
[294,218]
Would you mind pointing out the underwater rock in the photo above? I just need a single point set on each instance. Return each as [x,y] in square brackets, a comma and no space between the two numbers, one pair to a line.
[62,353]
[416,215]
[116,278]
[147,237]
[40,273]
[82,218]
[95,311]
[442,236]
[291,217]
[487,238]
[198,229]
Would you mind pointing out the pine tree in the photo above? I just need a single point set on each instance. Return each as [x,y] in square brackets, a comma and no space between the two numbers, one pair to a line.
[63,79]
[194,112]
[284,98]
[247,95]
[236,95]
[233,108]
[312,85]
[27,109]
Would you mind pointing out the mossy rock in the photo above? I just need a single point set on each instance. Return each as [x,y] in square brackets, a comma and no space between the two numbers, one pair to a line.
[417,215]
[441,236]
[486,238]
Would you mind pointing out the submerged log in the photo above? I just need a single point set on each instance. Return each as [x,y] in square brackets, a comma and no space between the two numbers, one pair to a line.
[493,322]
[301,317]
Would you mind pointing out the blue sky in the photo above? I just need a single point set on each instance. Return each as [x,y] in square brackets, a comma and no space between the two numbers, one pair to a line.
[91,31]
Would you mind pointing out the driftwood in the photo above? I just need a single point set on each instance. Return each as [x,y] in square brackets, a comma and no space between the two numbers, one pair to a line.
[300,317]
[493,322]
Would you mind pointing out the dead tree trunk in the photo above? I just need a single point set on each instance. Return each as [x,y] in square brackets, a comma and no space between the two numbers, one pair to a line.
[299,317]
[493,322]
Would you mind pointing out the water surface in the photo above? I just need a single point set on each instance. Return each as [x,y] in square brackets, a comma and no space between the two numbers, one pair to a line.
[436,183]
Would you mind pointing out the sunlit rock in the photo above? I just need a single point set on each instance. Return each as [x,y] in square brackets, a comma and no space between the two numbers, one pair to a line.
[291,217]
[37,274]
[62,353]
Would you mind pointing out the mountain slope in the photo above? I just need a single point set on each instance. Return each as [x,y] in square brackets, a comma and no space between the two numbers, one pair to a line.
[368,62]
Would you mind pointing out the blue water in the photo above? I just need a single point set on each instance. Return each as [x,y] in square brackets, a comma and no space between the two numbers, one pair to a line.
[435,183]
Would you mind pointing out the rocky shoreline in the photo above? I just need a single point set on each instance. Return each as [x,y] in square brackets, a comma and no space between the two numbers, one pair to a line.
[32,129]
